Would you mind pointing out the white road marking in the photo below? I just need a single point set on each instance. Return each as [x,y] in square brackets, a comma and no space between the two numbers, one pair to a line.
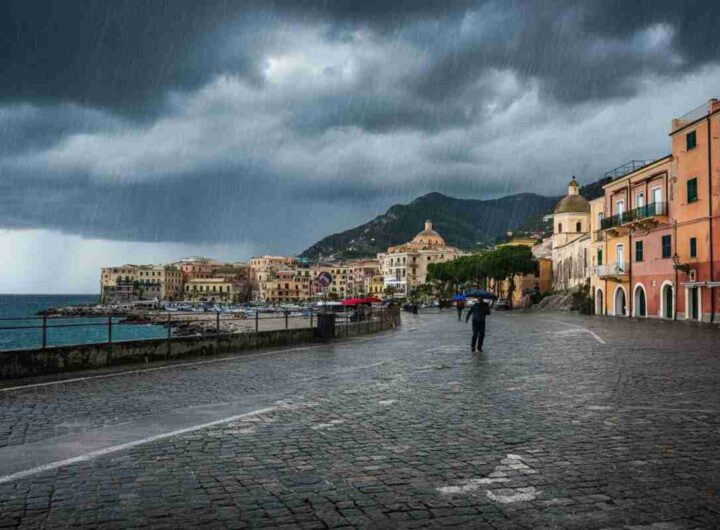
[114,449]
[508,466]
[331,423]
[592,333]
[515,495]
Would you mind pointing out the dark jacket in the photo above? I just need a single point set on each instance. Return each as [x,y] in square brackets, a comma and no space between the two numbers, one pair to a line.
[478,312]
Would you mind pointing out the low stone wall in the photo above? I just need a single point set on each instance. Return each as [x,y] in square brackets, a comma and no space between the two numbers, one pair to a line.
[25,363]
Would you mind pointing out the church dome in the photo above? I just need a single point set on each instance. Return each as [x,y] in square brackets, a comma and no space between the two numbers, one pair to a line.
[429,237]
[573,202]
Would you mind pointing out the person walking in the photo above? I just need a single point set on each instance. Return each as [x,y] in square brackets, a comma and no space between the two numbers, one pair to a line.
[460,305]
[479,311]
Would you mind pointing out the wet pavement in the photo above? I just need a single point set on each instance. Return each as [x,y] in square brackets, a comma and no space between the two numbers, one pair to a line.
[564,421]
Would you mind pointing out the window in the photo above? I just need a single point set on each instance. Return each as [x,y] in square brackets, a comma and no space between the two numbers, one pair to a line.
[640,200]
[693,247]
[666,246]
[620,254]
[600,257]
[559,228]
[638,250]
[692,194]
[578,227]
[691,140]
[620,207]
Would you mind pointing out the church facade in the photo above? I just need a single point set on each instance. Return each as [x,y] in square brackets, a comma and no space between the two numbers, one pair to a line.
[571,240]
[404,267]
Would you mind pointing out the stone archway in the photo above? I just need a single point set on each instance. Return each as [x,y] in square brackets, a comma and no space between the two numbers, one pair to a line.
[599,302]
[620,302]
[667,301]
[639,301]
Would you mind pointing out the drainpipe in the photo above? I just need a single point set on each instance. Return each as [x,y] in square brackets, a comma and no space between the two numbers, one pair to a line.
[631,294]
[710,220]
[677,280]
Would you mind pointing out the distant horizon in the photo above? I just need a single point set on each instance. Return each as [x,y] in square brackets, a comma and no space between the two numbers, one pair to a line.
[49,294]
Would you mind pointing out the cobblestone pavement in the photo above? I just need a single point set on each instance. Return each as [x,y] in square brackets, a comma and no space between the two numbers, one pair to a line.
[564,421]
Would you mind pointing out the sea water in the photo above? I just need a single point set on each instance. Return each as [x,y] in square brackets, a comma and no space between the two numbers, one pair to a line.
[92,330]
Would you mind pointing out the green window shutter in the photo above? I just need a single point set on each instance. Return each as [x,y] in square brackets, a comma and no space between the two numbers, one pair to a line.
[692,194]
[600,257]
[691,140]
[639,250]
[666,246]
[693,247]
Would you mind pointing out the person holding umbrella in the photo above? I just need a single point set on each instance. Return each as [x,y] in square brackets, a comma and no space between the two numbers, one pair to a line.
[460,304]
[479,311]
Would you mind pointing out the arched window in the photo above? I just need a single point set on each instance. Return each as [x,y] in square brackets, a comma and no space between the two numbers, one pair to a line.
[559,228]
[578,227]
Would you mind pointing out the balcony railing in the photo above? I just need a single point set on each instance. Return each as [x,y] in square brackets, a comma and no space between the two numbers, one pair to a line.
[611,269]
[642,212]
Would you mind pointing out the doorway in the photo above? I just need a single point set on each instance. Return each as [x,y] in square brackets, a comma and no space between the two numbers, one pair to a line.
[667,296]
[694,303]
[640,302]
[599,303]
[620,302]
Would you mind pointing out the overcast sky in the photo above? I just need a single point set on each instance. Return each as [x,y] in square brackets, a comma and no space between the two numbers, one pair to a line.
[143,131]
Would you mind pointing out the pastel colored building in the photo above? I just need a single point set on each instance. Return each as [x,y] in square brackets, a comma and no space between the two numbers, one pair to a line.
[658,252]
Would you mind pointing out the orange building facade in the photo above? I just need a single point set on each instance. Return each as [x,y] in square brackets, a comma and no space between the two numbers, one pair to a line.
[659,249]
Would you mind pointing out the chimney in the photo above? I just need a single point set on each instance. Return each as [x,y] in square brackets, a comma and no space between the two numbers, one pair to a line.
[428,225]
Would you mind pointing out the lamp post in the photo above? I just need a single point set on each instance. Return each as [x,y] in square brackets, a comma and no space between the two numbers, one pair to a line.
[678,266]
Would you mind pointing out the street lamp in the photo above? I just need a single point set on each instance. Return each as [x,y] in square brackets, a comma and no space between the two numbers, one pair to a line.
[685,267]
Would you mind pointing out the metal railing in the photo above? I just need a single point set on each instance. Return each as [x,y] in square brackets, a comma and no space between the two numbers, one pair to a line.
[43,332]
[611,269]
[627,168]
[641,212]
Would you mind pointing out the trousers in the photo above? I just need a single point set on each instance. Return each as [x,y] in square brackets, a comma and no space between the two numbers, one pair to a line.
[478,336]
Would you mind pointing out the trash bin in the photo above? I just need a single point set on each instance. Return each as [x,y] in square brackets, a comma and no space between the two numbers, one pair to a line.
[325,326]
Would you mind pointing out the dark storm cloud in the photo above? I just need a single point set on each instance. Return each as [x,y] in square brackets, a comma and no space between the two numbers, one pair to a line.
[162,121]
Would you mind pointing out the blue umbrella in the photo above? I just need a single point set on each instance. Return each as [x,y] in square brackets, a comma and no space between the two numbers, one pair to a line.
[460,297]
[481,293]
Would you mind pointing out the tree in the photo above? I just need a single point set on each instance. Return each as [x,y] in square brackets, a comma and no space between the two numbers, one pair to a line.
[507,261]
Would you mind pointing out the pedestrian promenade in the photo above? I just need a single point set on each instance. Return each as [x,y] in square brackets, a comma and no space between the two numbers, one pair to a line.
[563,421]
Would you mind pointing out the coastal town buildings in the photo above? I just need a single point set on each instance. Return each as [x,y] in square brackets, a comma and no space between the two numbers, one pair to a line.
[404,267]
[212,290]
[262,269]
[140,282]
[287,286]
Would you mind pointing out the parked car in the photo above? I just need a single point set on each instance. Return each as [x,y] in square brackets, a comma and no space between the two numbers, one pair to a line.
[503,304]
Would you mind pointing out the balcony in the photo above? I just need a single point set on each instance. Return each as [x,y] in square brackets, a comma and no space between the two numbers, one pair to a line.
[643,215]
[611,270]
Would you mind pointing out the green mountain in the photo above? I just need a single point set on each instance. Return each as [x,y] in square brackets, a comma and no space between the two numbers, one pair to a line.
[464,223]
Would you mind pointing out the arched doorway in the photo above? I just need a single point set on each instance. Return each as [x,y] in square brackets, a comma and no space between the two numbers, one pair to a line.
[640,302]
[667,298]
[599,303]
[620,302]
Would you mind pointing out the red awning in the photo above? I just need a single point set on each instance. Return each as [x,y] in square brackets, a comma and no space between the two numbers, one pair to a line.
[352,301]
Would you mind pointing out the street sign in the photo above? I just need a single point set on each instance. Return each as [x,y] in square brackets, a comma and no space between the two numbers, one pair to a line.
[324,279]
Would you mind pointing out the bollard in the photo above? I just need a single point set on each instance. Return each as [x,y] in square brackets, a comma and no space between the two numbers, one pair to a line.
[217,330]
[287,314]
[44,332]
[169,335]
[257,321]
[325,326]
